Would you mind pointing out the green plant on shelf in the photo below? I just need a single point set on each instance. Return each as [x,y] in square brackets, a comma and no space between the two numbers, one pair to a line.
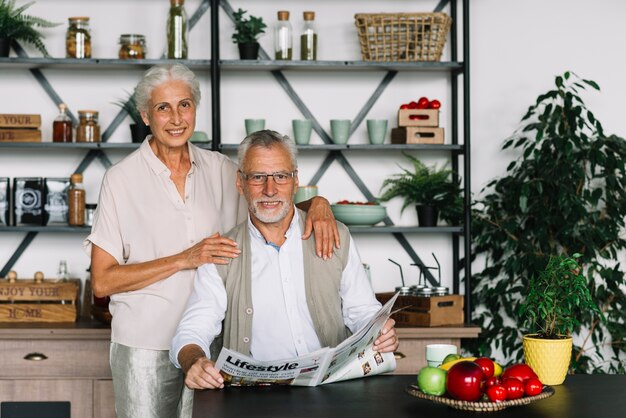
[15,25]
[129,105]
[247,30]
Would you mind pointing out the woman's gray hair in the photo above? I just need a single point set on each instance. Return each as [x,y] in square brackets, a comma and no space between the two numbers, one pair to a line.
[158,75]
[267,139]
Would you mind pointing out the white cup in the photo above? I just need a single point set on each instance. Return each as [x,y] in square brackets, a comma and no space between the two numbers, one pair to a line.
[435,353]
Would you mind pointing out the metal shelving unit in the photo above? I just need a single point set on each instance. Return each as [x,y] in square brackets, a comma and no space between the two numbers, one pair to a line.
[456,69]
[458,73]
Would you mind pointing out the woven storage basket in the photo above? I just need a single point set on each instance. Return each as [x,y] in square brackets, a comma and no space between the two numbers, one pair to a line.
[402,36]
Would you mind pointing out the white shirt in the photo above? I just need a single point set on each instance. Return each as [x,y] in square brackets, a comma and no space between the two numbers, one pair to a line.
[142,217]
[281,326]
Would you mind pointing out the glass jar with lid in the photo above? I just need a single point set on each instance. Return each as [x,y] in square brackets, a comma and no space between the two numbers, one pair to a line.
[78,39]
[88,129]
[132,46]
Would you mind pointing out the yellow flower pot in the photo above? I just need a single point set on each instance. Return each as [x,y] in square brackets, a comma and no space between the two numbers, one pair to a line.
[550,359]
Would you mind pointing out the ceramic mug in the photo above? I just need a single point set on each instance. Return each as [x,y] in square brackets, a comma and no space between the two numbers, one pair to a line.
[435,353]
[376,130]
[304,193]
[302,130]
[340,130]
[254,125]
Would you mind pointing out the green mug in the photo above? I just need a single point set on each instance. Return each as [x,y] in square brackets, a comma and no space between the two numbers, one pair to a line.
[376,130]
[302,131]
[254,125]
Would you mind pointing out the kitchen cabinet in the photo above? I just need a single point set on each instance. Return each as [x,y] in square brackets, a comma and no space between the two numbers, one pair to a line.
[58,362]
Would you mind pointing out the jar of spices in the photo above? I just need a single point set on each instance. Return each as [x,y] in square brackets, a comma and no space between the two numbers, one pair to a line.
[132,46]
[88,129]
[78,40]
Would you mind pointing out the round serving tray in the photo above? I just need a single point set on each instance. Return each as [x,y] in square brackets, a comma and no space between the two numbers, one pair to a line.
[480,406]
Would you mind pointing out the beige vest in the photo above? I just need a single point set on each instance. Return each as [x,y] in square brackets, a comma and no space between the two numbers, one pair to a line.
[322,283]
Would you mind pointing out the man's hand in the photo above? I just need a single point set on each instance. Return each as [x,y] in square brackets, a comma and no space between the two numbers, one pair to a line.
[215,249]
[387,341]
[321,221]
[203,375]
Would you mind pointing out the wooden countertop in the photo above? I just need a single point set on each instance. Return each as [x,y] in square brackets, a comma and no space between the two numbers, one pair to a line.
[84,328]
[444,331]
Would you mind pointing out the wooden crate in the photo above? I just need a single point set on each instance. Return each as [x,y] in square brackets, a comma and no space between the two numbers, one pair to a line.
[416,135]
[418,117]
[420,311]
[20,135]
[48,301]
[15,120]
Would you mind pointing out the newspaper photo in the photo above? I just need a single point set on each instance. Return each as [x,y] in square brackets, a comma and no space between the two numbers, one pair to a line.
[351,359]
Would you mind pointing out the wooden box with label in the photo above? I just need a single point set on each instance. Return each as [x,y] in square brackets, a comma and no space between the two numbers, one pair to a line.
[416,135]
[38,300]
[421,311]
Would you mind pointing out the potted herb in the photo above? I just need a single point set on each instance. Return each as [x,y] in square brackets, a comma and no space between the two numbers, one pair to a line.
[432,190]
[138,129]
[555,298]
[246,34]
[17,26]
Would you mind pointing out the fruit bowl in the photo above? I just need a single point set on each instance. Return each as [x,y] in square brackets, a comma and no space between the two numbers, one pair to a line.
[480,406]
[359,214]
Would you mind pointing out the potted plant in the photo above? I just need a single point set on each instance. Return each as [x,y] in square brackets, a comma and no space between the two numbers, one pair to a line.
[432,190]
[17,26]
[138,129]
[554,300]
[530,212]
[246,34]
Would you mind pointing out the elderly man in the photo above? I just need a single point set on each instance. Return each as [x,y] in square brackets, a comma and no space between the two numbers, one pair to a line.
[277,300]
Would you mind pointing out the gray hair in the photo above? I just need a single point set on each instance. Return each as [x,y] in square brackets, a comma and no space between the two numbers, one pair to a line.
[267,139]
[160,74]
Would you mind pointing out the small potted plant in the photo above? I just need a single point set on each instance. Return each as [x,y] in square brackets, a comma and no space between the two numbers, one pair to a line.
[432,190]
[247,31]
[138,129]
[17,26]
[555,298]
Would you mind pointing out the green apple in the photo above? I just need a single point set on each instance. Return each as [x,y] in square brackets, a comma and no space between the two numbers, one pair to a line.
[432,380]
[451,357]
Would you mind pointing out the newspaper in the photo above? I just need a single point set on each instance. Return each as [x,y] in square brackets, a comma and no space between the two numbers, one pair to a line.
[351,359]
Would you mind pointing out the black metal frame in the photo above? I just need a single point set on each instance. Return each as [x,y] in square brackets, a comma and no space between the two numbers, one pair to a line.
[335,152]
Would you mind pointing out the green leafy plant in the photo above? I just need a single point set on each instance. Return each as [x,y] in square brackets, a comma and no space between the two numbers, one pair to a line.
[14,24]
[426,186]
[130,106]
[564,194]
[247,30]
[556,297]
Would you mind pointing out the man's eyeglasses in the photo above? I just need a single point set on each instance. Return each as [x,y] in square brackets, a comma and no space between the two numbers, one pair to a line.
[259,179]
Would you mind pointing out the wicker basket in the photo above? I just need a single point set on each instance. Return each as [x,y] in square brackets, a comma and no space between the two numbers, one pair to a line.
[402,36]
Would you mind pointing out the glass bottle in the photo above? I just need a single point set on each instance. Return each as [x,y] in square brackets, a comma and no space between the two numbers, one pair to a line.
[76,201]
[62,126]
[283,37]
[308,39]
[88,129]
[132,46]
[78,39]
[177,30]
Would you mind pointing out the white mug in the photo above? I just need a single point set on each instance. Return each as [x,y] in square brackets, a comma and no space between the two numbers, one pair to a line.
[435,353]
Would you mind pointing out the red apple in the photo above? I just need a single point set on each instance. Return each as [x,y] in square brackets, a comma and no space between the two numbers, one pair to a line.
[465,381]
[520,371]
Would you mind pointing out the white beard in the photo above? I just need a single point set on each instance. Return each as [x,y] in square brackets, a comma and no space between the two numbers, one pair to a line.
[267,216]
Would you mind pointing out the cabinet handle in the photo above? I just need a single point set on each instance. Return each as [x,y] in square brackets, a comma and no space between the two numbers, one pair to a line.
[399,355]
[35,356]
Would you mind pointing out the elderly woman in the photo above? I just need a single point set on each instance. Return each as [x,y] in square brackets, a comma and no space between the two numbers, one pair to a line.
[161,214]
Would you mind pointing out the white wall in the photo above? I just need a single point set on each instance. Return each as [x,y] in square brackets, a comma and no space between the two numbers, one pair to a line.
[516,50]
